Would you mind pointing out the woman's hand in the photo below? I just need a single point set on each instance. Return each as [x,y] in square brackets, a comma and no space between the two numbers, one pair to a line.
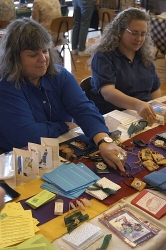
[145,110]
[113,155]
[2,195]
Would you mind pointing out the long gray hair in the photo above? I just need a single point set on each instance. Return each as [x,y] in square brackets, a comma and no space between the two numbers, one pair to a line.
[110,37]
[20,35]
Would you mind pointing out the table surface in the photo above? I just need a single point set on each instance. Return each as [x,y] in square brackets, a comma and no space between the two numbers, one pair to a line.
[159,241]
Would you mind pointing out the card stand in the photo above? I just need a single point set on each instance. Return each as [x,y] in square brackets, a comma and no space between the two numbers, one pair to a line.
[147,220]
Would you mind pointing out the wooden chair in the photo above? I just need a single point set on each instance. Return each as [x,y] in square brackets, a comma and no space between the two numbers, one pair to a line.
[3,24]
[59,26]
[105,17]
[85,85]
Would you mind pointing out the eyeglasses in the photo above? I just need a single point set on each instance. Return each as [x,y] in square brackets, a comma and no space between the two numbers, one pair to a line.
[136,33]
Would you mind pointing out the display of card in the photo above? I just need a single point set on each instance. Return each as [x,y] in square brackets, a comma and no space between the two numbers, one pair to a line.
[25,166]
[150,203]
[131,229]
[76,147]
[42,157]
[54,144]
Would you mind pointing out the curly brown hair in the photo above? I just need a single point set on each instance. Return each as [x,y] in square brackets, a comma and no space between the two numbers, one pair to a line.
[110,37]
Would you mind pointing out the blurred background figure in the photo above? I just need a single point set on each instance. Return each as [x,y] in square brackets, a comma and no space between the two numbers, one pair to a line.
[7,10]
[83,10]
[44,11]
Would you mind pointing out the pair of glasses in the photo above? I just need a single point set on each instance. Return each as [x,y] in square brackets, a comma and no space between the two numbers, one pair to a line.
[136,33]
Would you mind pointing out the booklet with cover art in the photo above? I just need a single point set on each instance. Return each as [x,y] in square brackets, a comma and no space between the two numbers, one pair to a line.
[131,229]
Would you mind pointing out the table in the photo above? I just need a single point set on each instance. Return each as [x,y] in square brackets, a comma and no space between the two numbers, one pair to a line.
[158,30]
[157,244]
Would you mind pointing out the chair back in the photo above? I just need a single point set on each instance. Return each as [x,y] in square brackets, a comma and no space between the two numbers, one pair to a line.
[3,24]
[61,25]
[85,85]
[105,17]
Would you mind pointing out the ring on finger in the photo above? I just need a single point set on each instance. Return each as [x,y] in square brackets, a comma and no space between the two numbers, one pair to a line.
[122,155]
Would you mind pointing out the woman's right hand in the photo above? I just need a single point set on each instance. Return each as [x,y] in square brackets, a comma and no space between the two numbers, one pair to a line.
[145,110]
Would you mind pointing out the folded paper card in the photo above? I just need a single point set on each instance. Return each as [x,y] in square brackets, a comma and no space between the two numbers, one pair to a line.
[40,199]
[103,189]
[69,177]
[150,203]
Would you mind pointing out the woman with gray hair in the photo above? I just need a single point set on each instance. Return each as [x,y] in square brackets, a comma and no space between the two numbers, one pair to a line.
[123,74]
[39,98]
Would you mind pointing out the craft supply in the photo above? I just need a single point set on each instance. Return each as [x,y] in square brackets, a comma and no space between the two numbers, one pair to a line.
[150,203]
[103,188]
[135,128]
[58,209]
[128,227]
[105,243]
[40,199]
[157,180]
[73,219]
[83,236]
[138,184]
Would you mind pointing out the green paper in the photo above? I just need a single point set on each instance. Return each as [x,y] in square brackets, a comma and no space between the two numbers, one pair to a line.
[40,199]
[38,239]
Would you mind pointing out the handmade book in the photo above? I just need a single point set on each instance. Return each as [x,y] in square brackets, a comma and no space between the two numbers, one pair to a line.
[103,189]
[83,236]
[150,203]
[132,229]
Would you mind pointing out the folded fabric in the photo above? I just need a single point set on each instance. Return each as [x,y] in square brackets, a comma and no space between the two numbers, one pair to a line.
[157,180]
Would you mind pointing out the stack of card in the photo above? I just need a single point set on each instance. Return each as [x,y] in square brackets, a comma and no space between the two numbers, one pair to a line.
[83,236]
[40,199]
[69,180]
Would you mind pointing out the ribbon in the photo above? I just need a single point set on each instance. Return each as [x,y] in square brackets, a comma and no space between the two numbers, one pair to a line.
[72,220]
[96,187]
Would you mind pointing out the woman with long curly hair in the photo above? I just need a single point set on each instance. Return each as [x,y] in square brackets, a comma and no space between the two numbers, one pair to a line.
[123,74]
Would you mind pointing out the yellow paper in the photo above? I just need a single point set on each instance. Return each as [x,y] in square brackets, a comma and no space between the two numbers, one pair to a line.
[15,227]
[12,207]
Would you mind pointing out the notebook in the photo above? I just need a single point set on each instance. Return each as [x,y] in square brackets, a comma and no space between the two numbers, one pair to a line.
[150,203]
[83,236]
